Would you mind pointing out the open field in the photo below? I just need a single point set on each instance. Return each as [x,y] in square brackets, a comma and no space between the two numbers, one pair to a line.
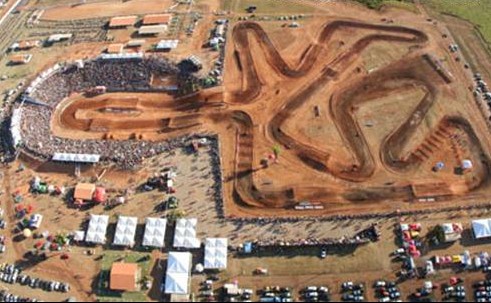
[476,12]
[267,6]
[361,63]
[106,9]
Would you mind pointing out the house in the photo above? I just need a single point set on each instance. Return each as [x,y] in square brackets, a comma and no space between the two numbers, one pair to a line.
[84,191]
[154,19]
[122,22]
[124,276]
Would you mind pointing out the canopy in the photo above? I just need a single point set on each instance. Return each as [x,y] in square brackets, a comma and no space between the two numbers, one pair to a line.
[185,234]
[96,233]
[176,283]
[178,271]
[481,228]
[78,158]
[216,253]
[154,235]
[125,231]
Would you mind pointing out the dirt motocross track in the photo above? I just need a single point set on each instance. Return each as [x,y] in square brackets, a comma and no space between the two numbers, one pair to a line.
[376,168]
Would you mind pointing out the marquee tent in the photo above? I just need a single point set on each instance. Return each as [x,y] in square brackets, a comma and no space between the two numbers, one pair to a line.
[178,271]
[154,234]
[185,234]
[125,231]
[481,228]
[216,253]
[96,233]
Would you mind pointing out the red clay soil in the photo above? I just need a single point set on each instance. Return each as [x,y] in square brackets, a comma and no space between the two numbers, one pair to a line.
[248,121]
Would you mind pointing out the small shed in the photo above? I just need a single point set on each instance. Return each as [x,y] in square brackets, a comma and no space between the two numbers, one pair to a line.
[84,191]
[124,276]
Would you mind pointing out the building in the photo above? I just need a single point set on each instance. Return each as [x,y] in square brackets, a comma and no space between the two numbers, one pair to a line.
[152,29]
[154,19]
[20,59]
[84,191]
[124,276]
[122,22]
[166,45]
[59,38]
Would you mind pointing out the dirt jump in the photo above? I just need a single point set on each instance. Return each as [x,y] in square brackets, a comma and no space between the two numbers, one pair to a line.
[374,161]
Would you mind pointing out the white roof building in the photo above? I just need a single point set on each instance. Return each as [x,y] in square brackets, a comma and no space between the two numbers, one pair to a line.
[15,126]
[178,271]
[78,158]
[125,231]
[96,233]
[185,234]
[481,228]
[59,37]
[154,232]
[166,44]
[124,56]
[216,253]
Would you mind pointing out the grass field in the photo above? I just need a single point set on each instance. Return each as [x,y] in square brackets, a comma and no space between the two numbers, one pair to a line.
[407,5]
[477,12]
[105,295]
[266,6]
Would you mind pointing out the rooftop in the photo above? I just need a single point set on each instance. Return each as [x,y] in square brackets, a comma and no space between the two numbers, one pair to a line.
[123,276]
[156,19]
[122,21]
[84,191]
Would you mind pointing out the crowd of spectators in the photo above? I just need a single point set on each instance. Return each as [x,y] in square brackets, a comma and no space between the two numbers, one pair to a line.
[115,75]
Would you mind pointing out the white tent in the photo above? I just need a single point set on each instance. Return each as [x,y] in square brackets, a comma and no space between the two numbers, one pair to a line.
[481,228]
[178,271]
[125,231]
[96,233]
[216,253]
[79,235]
[176,283]
[154,232]
[185,234]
